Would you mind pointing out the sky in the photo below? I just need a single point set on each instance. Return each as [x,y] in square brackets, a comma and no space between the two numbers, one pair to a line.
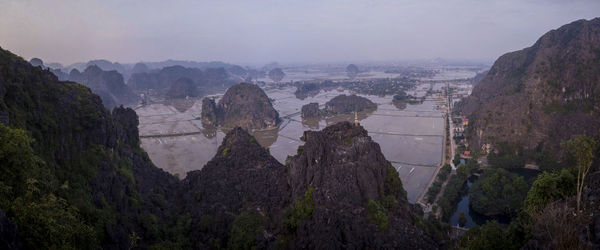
[257,31]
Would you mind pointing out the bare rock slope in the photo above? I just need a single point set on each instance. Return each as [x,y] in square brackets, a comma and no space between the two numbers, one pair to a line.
[245,105]
[539,96]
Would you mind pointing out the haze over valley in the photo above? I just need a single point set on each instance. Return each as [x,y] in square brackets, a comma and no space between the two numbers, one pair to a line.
[299,125]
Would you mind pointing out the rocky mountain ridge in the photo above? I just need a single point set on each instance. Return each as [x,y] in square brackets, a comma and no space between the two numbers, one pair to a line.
[110,195]
[109,85]
[357,195]
[90,183]
[538,97]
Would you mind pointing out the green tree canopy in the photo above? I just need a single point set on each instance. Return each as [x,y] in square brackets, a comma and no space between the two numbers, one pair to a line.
[549,187]
[498,192]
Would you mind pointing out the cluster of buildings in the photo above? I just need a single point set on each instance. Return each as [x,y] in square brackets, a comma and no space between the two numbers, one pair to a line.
[460,124]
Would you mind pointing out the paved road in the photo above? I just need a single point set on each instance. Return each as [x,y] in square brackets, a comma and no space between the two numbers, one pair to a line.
[421,200]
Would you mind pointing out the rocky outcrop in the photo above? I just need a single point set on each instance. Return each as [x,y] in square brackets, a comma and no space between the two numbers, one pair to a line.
[341,104]
[55,68]
[245,105]
[307,89]
[311,110]
[209,111]
[344,104]
[242,178]
[94,165]
[109,85]
[401,99]
[182,88]
[539,96]
[327,197]
[350,183]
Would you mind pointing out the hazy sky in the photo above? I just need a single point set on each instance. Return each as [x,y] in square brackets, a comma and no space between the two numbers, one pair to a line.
[255,31]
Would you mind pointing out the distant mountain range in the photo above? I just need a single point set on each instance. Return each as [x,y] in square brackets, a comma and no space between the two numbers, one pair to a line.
[107,79]
[127,69]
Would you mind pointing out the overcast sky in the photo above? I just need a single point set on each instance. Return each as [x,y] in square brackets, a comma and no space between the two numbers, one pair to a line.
[256,31]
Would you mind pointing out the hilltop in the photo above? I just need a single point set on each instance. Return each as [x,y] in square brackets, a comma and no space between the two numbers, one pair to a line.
[535,98]
[109,85]
[245,105]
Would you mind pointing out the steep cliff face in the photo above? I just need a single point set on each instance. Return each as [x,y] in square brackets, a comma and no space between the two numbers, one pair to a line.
[109,85]
[343,104]
[358,199]
[541,95]
[244,105]
[338,192]
[241,178]
[311,110]
[90,183]
[209,111]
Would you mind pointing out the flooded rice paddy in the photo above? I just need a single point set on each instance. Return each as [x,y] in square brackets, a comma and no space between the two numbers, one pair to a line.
[411,139]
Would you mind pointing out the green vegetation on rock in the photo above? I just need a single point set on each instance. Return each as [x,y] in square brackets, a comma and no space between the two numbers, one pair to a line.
[549,187]
[45,220]
[246,227]
[301,209]
[376,214]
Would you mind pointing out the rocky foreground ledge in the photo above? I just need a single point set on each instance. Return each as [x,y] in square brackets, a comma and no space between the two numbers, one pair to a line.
[339,191]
